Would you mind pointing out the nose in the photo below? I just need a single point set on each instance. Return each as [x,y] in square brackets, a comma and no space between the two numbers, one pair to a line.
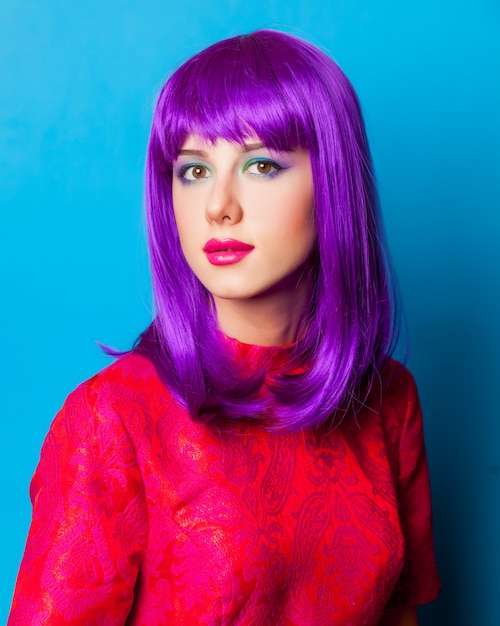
[222,203]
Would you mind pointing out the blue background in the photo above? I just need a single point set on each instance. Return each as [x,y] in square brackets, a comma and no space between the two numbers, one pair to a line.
[77,85]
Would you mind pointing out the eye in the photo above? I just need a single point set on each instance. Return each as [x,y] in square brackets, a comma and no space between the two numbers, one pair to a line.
[194,171]
[262,167]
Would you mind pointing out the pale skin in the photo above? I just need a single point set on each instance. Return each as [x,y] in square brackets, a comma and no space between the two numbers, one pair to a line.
[264,199]
[261,298]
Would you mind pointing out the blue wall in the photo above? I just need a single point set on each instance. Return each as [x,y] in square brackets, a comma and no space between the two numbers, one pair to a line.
[77,84]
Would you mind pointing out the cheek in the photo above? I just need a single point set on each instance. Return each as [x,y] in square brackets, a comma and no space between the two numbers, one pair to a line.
[183,207]
[184,219]
[302,227]
[185,232]
[288,236]
[181,226]
[295,219]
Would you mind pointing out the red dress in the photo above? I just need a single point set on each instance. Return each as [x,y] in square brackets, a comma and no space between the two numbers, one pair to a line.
[143,517]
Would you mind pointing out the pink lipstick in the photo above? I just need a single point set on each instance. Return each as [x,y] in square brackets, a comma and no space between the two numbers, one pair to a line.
[226,251]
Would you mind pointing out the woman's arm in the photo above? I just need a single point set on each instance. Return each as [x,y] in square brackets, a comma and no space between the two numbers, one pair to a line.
[89,522]
[400,617]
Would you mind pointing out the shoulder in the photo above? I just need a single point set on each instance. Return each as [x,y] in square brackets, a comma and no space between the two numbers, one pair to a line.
[130,371]
[128,386]
[394,393]
[396,381]
[131,374]
[392,408]
[400,412]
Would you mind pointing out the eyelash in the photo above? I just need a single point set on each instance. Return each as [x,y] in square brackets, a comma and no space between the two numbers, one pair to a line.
[276,169]
[185,169]
[274,172]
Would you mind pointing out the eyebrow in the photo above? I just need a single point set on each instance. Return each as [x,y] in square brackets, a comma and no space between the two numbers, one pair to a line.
[248,147]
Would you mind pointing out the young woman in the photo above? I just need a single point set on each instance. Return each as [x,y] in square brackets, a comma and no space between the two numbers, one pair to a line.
[257,458]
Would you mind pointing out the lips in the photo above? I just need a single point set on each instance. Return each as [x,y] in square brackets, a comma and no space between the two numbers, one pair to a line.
[226,251]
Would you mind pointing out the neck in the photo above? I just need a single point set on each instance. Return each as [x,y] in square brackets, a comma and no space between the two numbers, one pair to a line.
[265,320]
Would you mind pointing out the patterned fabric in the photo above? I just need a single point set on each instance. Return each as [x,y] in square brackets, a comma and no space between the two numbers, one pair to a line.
[143,517]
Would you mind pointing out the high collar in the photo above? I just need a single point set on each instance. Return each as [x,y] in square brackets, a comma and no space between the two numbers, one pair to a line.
[273,359]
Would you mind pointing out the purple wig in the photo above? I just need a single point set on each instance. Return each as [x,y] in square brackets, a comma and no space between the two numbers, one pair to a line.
[289,94]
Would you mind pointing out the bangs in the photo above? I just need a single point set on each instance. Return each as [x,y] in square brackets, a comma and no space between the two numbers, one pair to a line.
[234,90]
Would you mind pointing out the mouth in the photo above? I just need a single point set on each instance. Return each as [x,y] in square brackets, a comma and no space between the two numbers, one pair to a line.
[226,245]
[226,251]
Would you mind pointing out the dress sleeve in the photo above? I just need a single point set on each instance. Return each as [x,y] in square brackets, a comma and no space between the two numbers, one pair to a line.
[419,582]
[89,525]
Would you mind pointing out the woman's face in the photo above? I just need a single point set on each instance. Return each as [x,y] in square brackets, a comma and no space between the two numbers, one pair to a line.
[245,216]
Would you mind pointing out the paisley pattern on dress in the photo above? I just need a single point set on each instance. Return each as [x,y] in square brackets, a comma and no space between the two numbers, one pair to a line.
[145,518]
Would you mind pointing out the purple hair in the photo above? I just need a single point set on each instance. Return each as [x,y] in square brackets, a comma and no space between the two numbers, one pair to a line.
[289,94]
